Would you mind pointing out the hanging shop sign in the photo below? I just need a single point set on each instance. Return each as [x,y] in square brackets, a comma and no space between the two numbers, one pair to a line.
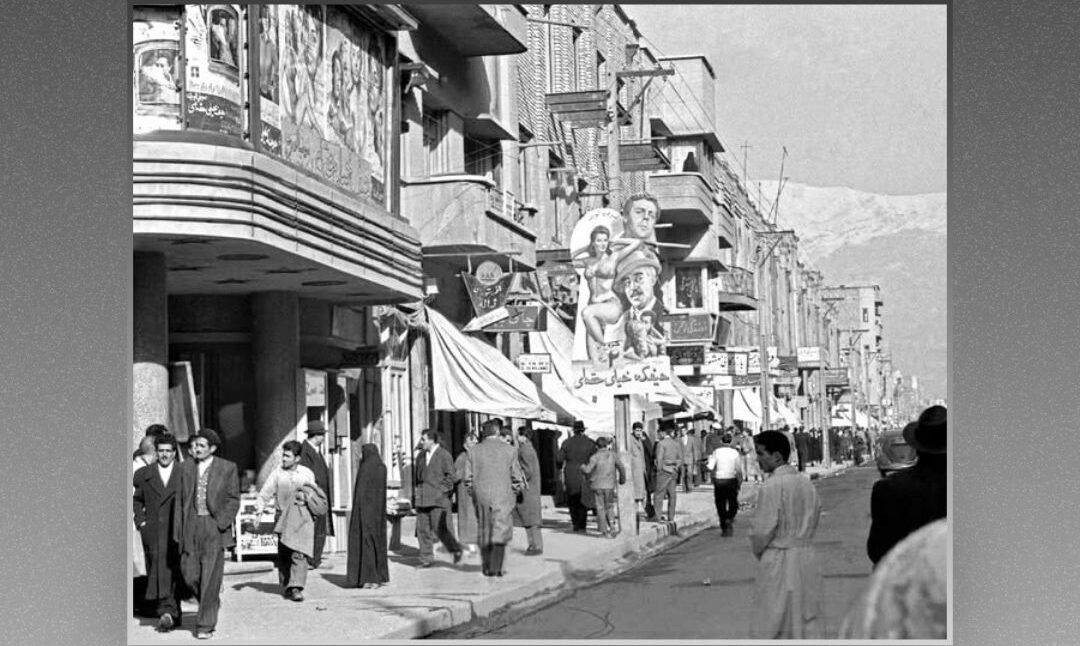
[715,363]
[739,361]
[686,355]
[486,297]
[539,363]
[809,356]
[741,381]
[688,328]
[787,362]
[753,362]
[836,377]
[363,357]
[488,273]
[521,318]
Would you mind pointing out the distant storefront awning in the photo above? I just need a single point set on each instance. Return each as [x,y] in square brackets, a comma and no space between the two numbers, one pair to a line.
[780,411]
[746,406]
[470,375]
[842,417]
[689,400]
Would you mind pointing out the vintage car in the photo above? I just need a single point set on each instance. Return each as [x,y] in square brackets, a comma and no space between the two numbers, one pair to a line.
[894,453]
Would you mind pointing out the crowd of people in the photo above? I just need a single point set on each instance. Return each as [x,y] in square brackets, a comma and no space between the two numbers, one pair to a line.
[185,509]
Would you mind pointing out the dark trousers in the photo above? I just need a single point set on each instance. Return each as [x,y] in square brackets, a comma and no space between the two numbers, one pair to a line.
[141,606]
[210,553]
[434,523]
[665,486]
[320,540]
[689,477]
[292,567]
[491,558]
[579,513]
[726,496]
[605,505]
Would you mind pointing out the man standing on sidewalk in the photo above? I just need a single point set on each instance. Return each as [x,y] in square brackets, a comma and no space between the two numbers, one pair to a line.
[431,497]
[788,590]
[726,467]
[527,510]
[642,468]
[209,498]
[668,462]
[281,488]
[494,476]
[311,458]
[154,504]
[573,453]
[601,470]
[691,455]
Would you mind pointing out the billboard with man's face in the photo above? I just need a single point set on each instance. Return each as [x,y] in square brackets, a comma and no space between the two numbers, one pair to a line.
[619,343]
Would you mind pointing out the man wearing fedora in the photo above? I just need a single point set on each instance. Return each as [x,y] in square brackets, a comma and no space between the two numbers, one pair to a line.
[638,327]
[311,458]
[905,501]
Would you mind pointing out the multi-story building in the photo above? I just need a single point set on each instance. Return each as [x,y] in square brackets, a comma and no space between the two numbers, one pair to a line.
[860,341]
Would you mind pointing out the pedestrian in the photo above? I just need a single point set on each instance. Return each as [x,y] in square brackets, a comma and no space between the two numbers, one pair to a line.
[668,462]
[905,501]
[601,470]
[573,453]
[788,588]
[466,505]
[143,456]
[366,565]
[154,506]
[725,463]
[802,447]
[431,499]
[641,468]
[209,499]
[312,458]
[713,441]
[296,532]
[527,509]
[691,455]
[493,474]
[745,446]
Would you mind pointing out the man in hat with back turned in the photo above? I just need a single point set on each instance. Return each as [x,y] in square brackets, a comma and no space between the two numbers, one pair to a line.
[574,453]
[905,501]
[312,458]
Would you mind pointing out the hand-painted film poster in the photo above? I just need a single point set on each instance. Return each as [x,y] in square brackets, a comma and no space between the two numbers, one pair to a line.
[214,42]
[323,87]
[619,343]
[156,73]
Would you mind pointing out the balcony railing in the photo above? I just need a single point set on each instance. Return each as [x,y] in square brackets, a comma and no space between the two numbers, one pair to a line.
[737,290]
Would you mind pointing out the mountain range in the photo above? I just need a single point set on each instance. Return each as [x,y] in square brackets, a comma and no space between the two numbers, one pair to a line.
[895,241]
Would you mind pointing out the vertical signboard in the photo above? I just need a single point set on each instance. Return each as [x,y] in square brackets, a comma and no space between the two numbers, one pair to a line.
[214,47]
[156,69]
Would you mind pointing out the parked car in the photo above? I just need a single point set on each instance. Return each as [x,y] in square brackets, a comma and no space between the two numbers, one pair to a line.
[894,453]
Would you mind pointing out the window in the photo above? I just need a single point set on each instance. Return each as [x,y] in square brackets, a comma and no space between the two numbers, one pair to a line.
[484,157]
[688,287]
[865,315]
[436,150]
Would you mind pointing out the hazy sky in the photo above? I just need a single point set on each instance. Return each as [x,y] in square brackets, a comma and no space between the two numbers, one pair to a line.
[856,93]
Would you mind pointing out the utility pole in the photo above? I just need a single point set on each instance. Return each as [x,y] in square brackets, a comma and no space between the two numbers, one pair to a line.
[763,317]
[745,146]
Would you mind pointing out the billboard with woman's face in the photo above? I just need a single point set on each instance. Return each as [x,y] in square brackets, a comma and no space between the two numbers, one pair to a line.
[327,104]
[156,68]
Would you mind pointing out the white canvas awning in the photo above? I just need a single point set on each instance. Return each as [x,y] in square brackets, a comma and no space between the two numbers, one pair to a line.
[746,406]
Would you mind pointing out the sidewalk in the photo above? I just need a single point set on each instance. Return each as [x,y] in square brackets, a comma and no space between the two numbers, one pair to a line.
[418,602]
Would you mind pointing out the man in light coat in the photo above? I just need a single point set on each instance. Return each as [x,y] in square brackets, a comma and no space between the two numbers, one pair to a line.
[280,488]
[494,477]
[669,460]
[601,470]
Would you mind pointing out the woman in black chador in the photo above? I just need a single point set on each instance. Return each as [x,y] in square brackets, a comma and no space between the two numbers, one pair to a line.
[367,567]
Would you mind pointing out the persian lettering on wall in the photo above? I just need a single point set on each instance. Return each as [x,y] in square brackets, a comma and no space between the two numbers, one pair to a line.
[324,95]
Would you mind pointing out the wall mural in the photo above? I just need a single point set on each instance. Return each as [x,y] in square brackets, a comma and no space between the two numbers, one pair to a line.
[619,342]
[156,73]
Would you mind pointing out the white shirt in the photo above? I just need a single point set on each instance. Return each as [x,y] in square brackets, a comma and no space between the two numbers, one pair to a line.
[204,465]
[165,472]
[725,463]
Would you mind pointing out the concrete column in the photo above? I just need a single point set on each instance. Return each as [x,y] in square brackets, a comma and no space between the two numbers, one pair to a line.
[275,353]
[150,356]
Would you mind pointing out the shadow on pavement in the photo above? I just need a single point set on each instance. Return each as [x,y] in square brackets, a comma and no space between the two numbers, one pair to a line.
[260,586]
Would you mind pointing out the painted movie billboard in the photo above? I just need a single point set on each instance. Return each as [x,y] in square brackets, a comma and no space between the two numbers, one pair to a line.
[156,70]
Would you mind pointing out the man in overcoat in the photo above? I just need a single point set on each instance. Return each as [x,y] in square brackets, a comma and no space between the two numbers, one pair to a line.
[691,455]
[154,504]
[208,500]
[494,476]
[905,501]
[311,458]
[527,509]
[574,453]
[669,461]
[431,498]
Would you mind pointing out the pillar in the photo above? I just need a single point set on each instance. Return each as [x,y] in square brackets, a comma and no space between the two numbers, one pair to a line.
[150,335]
[275,354]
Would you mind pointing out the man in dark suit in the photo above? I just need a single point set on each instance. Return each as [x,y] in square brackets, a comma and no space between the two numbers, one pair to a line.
[527,509]
[574,453]
[905,501]
[431,498]
[208,500]
[669,460]
[154,504]
[311,458]
[802,447]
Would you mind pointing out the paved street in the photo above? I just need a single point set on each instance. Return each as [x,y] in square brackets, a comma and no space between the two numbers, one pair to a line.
[665,597]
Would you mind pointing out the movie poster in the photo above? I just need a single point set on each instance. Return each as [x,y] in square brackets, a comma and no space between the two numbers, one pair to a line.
[156,74]
[269,75]
[214,48]
[333,97]
[619,343]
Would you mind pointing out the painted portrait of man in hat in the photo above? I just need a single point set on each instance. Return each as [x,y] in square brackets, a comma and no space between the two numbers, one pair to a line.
[636,279]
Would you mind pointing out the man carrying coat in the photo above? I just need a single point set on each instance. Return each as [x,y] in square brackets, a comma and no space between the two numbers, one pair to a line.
[208,500]
[527,510]
[311,458]
[154,504]
[431,498]
[494,476]
[574,453]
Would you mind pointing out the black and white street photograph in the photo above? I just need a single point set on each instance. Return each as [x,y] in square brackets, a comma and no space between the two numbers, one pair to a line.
[539,322]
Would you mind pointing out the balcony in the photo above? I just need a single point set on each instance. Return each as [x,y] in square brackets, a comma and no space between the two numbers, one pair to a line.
[475,30]
[737,290]
[686,199]
[468,214]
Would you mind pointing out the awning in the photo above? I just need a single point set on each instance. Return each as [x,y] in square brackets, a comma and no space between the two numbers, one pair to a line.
[690,401]
[842,417]
[780,411]
[746,406]
[468,374]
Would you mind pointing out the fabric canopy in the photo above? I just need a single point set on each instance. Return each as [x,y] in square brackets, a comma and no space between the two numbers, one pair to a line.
[780,410]
[468,374]
[690,401]
[842,417]
[746,406]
